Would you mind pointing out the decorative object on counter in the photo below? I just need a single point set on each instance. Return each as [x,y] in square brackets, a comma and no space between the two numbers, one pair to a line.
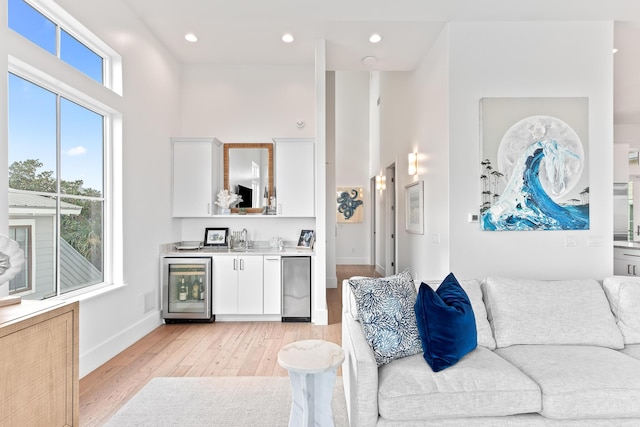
[188,246]
[225,199]
[276,243]
[11,261]
[307,237]
[349,202]
[216,236]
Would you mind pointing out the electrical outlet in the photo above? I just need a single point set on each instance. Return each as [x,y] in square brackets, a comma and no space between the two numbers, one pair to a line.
[473,217]
[570,241]
[595,241]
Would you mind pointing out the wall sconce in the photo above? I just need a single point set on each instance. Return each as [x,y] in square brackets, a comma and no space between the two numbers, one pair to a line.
[380,182]
[413,163]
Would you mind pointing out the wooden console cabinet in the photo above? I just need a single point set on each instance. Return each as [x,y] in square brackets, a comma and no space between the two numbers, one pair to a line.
[39,364]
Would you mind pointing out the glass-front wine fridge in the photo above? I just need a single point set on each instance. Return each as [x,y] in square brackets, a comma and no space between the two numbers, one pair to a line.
[186,289]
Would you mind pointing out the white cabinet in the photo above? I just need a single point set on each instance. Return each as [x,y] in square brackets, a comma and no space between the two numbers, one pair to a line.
[295,174]
[272,285]
[626,261]
[195,176]
[238,284]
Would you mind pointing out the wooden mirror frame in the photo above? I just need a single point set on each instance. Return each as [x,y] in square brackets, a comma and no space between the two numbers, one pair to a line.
[267,145]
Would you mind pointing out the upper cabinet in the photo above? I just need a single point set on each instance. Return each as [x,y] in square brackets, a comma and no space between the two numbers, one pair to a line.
[195,176]
[295,175]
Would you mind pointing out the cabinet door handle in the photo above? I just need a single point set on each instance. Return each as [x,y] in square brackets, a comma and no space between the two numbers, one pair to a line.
[634,270]
[629,269]
[235,264]
[242,264]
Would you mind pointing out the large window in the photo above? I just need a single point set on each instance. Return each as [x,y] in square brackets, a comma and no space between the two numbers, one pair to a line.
[60,144]
[56,176]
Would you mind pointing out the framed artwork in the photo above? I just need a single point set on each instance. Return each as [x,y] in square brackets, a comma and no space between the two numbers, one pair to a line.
[535,164]
[216,236]
[414,207]
[349,204]
[306,239]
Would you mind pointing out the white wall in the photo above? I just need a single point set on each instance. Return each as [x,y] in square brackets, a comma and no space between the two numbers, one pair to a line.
[247,103]
[150,109]
[428,254]
[332,278]
[353,240]
[529,59]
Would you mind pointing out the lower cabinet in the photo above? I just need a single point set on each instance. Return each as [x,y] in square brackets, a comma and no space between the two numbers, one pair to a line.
[247,284]
[237,284]
[626,262]
[272,285]
[39,364]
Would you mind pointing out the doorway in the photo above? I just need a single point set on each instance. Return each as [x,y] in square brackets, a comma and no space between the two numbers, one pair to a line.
[390,213]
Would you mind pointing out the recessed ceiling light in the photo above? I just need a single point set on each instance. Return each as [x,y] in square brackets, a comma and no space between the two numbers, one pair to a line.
[190,37]
[287,38]
[375,38]
[369,60]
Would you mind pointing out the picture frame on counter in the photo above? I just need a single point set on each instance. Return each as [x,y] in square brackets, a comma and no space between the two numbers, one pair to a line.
[216,236]
[306,239]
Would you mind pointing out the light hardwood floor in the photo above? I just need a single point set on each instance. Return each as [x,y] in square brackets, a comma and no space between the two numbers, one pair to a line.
[200,350]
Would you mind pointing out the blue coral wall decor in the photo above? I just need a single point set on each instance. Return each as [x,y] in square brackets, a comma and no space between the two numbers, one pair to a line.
[349,201]
[534,170]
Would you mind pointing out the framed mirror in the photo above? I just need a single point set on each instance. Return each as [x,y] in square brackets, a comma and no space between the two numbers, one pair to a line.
[248,170]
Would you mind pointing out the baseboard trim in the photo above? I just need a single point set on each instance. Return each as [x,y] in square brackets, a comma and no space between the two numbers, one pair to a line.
[100,354]
[352,261]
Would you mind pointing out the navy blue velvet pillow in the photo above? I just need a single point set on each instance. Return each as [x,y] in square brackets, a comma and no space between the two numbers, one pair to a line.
[446,323]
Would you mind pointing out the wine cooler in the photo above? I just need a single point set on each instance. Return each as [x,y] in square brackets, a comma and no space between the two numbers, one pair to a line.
[186,289]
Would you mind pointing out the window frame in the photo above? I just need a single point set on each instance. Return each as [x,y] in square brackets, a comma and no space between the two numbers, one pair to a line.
[29,257]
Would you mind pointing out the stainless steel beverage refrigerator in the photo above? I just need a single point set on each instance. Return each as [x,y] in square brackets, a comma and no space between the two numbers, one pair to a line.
[186,289]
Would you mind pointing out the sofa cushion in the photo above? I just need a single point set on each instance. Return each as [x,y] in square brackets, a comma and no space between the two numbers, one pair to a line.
[632,350]
[623,293]
[446,323]
[474,292]
[550,312]
[385,307]
[580,381]
[481,384]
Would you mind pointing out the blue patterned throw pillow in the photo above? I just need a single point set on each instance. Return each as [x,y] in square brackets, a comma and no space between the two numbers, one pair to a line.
[385,307]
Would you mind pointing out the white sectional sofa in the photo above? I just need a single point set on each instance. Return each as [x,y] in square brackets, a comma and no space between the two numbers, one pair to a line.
[549,353]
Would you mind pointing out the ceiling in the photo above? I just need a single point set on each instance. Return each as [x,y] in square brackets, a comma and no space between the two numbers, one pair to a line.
[249,32]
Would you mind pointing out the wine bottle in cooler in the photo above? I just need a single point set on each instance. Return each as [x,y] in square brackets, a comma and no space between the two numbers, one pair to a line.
[201,289]
[182,294]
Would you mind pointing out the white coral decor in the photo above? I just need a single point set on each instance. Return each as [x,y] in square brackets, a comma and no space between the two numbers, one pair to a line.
[11,259]
[226,199]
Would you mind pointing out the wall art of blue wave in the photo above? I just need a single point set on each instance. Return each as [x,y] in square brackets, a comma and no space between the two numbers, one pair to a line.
[525,205]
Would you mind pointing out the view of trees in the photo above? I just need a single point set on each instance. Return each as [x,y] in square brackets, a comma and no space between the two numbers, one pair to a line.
[84,231]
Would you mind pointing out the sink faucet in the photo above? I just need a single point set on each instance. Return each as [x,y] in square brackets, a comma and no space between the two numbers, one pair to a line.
[243,239]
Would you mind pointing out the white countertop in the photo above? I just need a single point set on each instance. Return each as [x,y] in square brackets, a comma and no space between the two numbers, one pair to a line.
[209,251]
[626,245]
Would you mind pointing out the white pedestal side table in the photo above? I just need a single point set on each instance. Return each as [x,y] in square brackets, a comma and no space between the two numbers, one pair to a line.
[312,366]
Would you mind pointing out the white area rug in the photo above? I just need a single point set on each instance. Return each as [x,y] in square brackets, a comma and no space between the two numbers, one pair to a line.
[216,401]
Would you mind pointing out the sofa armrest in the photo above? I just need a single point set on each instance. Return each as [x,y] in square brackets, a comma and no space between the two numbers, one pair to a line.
[359,371]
